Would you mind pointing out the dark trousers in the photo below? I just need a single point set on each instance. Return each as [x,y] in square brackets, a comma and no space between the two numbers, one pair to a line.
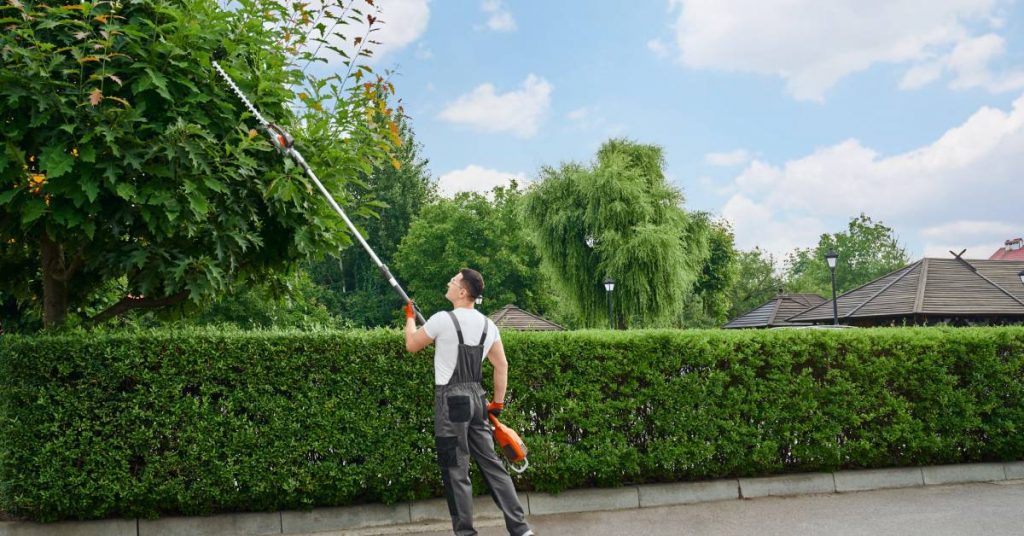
[462,431]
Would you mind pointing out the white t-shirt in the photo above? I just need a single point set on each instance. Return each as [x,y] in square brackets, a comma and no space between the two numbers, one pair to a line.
[446,341]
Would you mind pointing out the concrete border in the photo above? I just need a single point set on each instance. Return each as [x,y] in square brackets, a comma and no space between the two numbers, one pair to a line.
[1014,470]
[796,484]
[583,500]
[871,479]
[959,474]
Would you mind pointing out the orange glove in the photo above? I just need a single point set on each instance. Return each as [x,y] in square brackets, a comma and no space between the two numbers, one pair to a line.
[410,311]
[495,408]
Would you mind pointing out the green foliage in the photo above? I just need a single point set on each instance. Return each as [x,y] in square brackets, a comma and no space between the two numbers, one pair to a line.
[200,421]
[472,231]
[125,158]
[289,302]
[867,251]
[351,284]
[756,282]
[618,218]
[709,303]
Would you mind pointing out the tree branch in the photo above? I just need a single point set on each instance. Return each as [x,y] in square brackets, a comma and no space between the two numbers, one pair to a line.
[128,303]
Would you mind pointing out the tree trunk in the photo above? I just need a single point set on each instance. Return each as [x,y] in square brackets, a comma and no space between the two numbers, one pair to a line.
[55,284]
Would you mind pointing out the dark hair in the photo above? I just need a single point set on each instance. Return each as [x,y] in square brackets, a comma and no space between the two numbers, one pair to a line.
[473,282]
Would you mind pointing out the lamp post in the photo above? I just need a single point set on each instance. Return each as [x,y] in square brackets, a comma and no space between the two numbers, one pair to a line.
[1021,276]
[609,286]
[831,257]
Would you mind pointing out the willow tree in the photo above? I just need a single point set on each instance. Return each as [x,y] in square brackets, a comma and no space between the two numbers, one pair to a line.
[618,217]
[130,177]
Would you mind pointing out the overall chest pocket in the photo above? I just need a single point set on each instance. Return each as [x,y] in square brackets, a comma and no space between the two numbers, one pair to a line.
[458,408]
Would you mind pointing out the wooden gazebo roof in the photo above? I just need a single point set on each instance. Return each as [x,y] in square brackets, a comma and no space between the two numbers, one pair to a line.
[775,312]
[932,288]
[513,317]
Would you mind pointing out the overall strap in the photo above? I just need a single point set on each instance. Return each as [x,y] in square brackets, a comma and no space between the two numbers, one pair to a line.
[458,328]
[484,336]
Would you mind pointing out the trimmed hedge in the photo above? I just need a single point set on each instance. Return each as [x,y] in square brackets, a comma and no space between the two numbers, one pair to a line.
[196,422]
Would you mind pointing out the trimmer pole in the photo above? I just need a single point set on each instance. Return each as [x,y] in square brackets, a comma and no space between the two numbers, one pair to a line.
[286,145]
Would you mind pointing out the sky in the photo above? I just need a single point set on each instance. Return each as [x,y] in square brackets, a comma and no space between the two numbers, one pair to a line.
[786,118]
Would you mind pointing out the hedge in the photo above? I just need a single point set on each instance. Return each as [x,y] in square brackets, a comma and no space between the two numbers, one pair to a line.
[151,423]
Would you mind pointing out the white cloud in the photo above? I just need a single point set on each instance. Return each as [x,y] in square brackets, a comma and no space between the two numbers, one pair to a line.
[579,114]
[813,44]
[399,23]
[422,52]
[500,19]
[981,238]
[519,112]
[968,64]
[474,178]
[659,48]
[971,173]
[404,22]
[728,159]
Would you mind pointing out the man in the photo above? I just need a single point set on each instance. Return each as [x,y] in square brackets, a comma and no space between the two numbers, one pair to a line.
[461,429]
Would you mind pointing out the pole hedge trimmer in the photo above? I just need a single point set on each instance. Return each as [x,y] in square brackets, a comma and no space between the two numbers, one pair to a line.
[508,440]
[285,144]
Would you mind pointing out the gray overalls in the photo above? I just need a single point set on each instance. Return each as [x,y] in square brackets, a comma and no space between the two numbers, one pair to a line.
[461,429]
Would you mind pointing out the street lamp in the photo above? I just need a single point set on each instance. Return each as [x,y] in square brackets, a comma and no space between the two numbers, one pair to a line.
[1021,276]
[609,286]
[831,257]
[479,300]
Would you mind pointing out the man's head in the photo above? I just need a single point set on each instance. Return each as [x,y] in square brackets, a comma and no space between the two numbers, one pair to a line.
[465,287]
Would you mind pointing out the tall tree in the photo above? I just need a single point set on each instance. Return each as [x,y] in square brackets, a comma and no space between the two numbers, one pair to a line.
[756,281]
[618,217]
[125,159]
[710,299]
[473,231]
[352,285]
[867,251]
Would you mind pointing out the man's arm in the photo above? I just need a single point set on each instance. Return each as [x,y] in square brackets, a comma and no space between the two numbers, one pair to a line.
[415,339]
[497,358]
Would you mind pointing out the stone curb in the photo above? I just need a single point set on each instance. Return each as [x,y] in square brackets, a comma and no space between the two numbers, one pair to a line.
[586,500]
[878,479]
[958,474]
[798,484]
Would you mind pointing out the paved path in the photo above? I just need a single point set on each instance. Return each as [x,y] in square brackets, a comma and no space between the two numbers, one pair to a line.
[990,509]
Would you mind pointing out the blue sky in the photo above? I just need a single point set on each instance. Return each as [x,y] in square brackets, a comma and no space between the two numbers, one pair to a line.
[784,117]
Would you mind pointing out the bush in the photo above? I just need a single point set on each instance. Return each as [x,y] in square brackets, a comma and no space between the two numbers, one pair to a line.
[201,421]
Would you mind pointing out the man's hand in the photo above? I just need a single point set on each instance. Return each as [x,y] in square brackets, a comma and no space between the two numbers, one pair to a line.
[495,408]
[410,311]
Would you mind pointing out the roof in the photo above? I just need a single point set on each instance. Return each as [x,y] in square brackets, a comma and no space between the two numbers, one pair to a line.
[775,312]
[513,317]
[939,287]
[1013,250]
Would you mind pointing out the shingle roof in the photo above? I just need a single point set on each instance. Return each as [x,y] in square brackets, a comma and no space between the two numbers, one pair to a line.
[1011,252]
[775,312]
[513,317]
[938,287]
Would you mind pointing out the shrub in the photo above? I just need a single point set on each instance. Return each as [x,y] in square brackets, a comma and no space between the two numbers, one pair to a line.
[200,421]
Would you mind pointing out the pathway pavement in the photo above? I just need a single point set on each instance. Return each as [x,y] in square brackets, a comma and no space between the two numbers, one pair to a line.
[990,509]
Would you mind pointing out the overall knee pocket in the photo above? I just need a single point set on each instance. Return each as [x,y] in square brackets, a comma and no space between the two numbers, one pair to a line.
[447,451]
